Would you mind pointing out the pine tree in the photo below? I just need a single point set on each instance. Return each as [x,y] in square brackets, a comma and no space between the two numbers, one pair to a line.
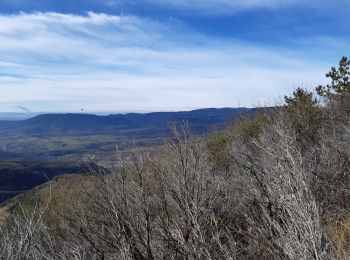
[340,80]
[302,108]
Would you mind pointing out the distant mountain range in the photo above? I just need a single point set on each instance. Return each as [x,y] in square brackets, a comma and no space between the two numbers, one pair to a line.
[200,120]
[37,149]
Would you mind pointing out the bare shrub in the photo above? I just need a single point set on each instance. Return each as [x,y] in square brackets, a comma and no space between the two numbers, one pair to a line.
[272,200]
[25,235]
[174,208]
[196,207]
[282,221]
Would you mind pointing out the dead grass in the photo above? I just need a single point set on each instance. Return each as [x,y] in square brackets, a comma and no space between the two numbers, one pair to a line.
[339,233]
[4,214]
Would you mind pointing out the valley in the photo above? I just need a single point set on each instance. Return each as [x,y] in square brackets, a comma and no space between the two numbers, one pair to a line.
[35,150]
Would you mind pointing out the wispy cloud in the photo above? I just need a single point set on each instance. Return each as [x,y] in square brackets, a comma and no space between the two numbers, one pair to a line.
[224,6]
[196,7]
[232,6]
[63,62]
[23,109]
[207,6]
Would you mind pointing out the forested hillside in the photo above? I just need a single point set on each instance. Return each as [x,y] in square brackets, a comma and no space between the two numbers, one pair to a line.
[17,177]
[272,186]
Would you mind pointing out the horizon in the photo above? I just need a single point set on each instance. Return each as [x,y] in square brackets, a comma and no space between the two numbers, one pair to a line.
[150,110]
[164,55]
[18,116]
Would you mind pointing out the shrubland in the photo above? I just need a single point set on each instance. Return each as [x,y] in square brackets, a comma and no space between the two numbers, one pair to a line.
[272,186]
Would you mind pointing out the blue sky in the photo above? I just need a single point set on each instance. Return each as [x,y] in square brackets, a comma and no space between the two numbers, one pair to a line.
[156,55]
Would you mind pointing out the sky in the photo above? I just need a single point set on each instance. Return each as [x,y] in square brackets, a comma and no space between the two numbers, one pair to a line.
[164,55]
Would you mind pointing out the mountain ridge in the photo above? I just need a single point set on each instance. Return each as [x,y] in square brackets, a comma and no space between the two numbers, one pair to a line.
[77,123]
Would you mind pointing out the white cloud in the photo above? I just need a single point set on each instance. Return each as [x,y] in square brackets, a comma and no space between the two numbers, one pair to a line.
[61,62]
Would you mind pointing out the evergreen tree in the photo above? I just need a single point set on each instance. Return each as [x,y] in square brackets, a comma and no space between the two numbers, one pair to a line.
[340,79]
[304,113]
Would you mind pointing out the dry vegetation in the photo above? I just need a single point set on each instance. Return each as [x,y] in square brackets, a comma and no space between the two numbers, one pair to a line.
[273,187]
